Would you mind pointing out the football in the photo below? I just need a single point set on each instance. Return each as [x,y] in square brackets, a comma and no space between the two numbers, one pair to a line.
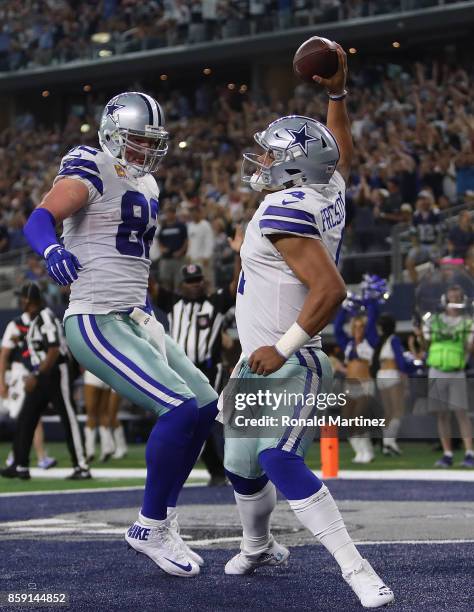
[316,56]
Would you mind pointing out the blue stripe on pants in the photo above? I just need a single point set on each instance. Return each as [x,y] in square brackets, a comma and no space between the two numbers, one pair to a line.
[98,336]
[319,371]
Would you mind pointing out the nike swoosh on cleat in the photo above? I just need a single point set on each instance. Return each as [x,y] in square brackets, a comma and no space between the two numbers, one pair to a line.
[186,568]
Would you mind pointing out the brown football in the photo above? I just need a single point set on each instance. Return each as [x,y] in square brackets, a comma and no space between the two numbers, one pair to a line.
[316,56]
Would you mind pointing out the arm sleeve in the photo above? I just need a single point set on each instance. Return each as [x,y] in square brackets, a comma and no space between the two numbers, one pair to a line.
[371,327]
[397,349]
[342,338]
[290,212]
[81,163]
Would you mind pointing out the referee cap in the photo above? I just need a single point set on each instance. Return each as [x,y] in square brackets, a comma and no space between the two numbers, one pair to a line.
[31,292]
[191,273]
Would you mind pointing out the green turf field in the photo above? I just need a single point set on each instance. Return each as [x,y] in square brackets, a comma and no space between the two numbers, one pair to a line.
[416,455]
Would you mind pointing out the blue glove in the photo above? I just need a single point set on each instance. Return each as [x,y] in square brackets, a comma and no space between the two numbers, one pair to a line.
[62,265]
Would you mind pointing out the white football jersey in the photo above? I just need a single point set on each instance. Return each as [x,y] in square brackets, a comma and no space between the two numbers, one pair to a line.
[269,295]
[111,235]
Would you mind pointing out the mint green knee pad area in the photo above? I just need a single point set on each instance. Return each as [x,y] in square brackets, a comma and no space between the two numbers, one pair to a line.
[242,451]
[119,352]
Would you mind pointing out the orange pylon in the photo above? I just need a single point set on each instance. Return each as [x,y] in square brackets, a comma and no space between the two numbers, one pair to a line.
[329,451]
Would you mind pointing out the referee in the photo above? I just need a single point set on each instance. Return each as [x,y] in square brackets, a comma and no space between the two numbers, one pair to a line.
[48,381]
[195,323]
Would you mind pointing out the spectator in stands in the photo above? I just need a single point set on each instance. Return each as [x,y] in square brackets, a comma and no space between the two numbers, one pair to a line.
[201,243]
[426,233]
[4,239]
[461,237]
[465,172]
[390,208]
[173,243]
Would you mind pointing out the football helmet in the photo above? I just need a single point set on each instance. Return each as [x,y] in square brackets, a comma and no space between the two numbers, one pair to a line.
[132,131]
[299,151]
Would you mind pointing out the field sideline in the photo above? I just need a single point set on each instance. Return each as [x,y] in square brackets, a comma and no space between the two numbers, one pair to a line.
[416,456]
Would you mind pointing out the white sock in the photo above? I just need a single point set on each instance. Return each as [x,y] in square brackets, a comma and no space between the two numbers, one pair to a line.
[354,442]
[144,520]
[255,511]
[321,516]
[107,445]
[90,435]
[448,453]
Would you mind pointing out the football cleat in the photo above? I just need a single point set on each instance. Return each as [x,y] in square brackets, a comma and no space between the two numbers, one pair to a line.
[244,563]
[174,524]
[163,546]
[368,586]
[46,463]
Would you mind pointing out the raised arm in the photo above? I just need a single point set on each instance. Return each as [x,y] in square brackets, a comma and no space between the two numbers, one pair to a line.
[337,118]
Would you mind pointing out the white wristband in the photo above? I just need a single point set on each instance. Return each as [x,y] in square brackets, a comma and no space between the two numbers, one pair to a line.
[292,341]
[48,250]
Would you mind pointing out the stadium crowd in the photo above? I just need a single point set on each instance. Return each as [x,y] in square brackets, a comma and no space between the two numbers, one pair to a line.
[414,157]
[44,32]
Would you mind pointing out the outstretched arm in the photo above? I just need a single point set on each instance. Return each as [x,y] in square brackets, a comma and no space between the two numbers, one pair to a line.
[337,118]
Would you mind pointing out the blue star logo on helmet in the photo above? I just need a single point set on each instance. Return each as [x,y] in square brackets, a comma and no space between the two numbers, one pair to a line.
[112,108]
[301,138]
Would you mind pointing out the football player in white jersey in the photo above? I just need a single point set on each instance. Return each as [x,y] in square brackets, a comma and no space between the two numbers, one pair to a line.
[108,202]
[288,292]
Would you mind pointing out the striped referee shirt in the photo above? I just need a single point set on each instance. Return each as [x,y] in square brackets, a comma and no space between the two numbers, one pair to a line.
[195,325]
[45,332]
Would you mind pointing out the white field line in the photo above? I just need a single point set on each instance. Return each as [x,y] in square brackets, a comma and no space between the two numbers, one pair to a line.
[119,473]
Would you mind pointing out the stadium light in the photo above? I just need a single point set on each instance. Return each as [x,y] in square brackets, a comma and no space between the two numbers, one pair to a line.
[396,44]
[207,71]
[105,53]
[231,86]
[45,93]
[163,77]
[101,38]
[85,127]
[352,50]
[183,144]
[87,88]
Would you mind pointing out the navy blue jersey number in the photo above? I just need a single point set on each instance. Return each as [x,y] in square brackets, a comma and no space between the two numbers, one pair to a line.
[133,238]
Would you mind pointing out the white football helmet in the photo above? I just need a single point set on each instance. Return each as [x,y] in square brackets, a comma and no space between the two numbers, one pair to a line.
[303,152]
[132,126]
